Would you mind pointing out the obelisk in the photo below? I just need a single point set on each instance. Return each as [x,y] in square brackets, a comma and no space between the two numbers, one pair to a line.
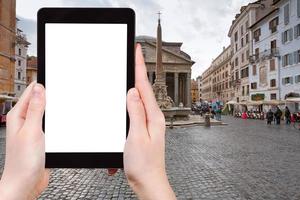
[159,86]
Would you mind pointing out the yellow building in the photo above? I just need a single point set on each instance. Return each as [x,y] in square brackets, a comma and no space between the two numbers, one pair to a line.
[194,91]
[7,45]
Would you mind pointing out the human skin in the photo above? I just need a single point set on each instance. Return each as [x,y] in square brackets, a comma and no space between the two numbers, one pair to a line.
[25,176]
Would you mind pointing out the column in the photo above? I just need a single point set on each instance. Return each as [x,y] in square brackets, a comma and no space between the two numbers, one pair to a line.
[176,89]
[151,77]
[188,90]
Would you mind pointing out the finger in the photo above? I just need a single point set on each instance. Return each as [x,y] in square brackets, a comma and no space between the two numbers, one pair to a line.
[36,107]
[154,116]
[136,113]
[17,114]
[112,171]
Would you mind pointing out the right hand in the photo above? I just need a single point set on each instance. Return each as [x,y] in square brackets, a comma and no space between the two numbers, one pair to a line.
[144,154]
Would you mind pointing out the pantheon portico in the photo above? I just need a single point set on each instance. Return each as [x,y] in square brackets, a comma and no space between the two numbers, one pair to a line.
[177,66]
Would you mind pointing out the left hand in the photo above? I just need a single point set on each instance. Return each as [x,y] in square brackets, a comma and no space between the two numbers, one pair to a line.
[24,175]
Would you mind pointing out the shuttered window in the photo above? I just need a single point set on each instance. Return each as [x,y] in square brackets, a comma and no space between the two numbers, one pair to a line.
[298,8]
[297,30]
[272,65]
[286,11]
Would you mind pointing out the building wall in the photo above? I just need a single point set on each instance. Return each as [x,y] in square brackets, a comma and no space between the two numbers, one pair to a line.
[7,45]
[21,64]
[260,71]
[292,70]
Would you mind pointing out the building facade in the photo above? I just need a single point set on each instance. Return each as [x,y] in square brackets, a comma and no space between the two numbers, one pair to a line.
[199,83]
[31,70]
[215,84]
[289,47]
[241,38]
[177,66]
[7,45]
[206,85]
[264,68]
[21,63]
[221,73]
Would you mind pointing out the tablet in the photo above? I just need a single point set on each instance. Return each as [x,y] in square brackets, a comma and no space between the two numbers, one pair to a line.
[86,63]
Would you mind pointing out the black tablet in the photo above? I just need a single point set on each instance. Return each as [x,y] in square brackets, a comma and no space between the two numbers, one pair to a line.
[86,63]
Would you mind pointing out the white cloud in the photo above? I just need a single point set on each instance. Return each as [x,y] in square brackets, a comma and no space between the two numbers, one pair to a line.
[201,25]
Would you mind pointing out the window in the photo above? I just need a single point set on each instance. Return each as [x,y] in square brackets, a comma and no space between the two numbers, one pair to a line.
[254,86]
[236,47]
[243,91]
[272,65]
[248,90]
[20,52]
[244,73]
[273,82]
[247,38]
[287,80]
[273,25]
[273,46]
[242,30]
[298,8]
[297,30]
[243,57]
[19,87]
[19,62]
[254,70]
[286,13]
[257,35]
[19,75]
[236,36]
[287,60]
[242,42]
[273,96]
[236,61]
[297,79]
[247,24]
[287,36]
[256,53]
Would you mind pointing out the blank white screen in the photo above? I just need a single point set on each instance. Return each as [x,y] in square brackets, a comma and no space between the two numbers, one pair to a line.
[85,87]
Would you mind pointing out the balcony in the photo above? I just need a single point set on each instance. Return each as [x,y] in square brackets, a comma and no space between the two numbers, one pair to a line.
[236,83]
[264,55]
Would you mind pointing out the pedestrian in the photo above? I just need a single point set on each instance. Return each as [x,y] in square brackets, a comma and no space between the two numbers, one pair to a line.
[287,115]
[278,115]
[244,115]
[269,117]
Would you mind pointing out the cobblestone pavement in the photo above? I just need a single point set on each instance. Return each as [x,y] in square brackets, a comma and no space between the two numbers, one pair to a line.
[244,160]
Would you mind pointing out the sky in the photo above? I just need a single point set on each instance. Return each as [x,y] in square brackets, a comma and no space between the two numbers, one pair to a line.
[201,25]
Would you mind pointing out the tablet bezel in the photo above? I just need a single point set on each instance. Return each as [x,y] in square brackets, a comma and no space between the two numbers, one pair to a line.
[87,15]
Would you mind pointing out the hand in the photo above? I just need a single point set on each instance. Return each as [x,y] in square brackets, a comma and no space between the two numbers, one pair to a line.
[144,154]
[24,175]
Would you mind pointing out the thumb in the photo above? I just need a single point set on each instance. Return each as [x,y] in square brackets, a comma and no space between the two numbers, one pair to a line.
[136,112]
[36,107]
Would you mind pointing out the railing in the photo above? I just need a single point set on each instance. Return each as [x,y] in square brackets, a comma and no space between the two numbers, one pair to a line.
[264,55]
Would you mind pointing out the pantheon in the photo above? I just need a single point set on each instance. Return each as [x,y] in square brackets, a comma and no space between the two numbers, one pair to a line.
[177,66]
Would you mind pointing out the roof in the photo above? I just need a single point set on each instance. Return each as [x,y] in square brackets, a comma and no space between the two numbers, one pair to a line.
[152,41]
[264,17]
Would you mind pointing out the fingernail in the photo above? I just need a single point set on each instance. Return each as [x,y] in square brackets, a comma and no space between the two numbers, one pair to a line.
[37,91]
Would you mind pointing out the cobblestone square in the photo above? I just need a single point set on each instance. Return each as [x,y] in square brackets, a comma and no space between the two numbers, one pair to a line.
[244,160]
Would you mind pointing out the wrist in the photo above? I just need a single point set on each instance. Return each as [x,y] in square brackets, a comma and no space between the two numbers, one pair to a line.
[153,188]
[8,192]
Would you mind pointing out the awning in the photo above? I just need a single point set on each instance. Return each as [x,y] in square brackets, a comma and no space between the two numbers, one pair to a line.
[274,102]
[293,99]
[231,102]
[6,97]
